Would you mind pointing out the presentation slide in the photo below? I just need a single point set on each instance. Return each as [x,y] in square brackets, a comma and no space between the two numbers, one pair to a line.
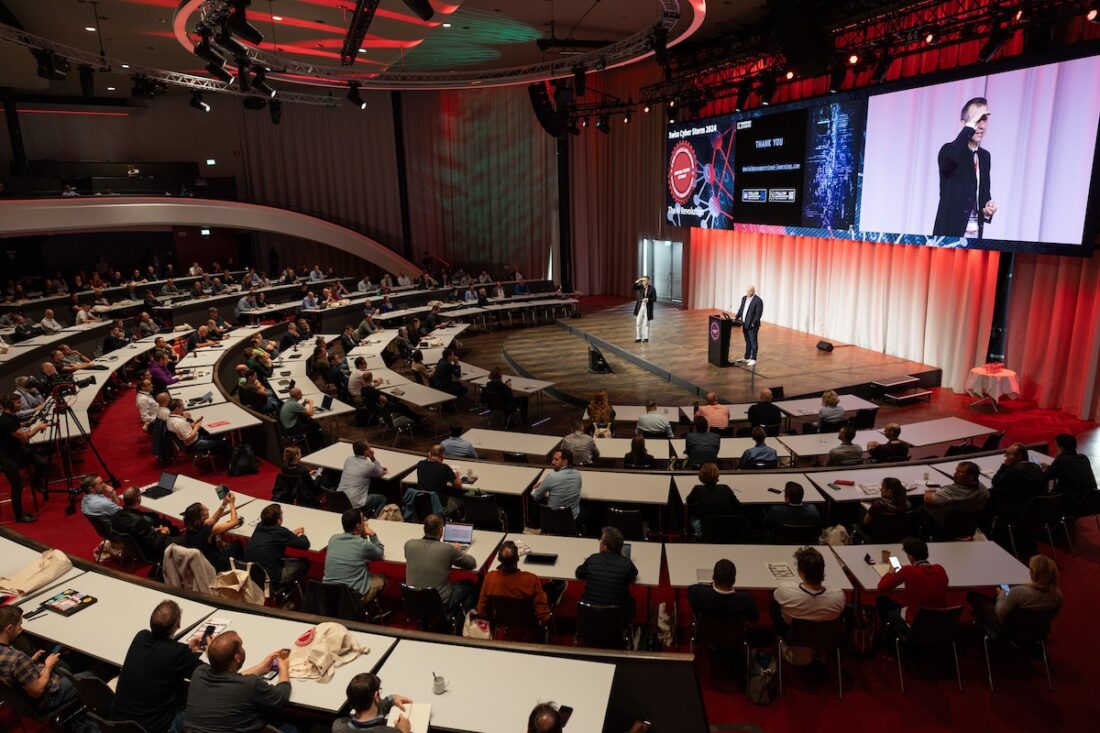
[769,155]
[699,173]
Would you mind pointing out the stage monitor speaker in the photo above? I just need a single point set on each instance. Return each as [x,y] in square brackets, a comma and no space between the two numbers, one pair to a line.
[549,117]
[596,363]
[824,346]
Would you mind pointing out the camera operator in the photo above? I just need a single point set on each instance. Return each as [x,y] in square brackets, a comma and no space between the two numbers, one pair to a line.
[14,453]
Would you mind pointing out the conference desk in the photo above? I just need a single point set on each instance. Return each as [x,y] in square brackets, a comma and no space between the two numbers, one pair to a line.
[418,395]
[262,635]
[492,691]
[819,444]
[612,449]
[754,565]
[812,405]
[187,491]
[625,488]
[520,385]
[631,413]
[191,390]
[988,465]
[204,356]
[332,458]
[573,551]
[944,430]
[225,417]
[105,629]
[755,488]
[14,557]
[968,564]
[508,442]
[868,481]
[739,411]
[730,449]
[491,478]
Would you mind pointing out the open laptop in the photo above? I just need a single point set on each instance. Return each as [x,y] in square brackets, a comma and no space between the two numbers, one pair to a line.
[459,534]
[326,404]
[162,488]
[541,558]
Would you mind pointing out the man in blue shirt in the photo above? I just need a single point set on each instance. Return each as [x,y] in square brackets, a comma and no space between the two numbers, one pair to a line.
[521,288]
[759,452]
[349,554]
[456,446]
[245,304]
[562,485]
[310,301]
[100,500]
[793,511]
[359,468]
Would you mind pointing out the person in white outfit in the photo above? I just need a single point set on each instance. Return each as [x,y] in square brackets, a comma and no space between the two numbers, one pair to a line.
[644,298]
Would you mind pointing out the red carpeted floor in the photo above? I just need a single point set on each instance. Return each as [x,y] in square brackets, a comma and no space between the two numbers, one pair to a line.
[872,700]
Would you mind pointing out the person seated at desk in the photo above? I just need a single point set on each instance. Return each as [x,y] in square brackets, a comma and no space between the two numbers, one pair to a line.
[369,710]
[296,417]
[1072,475]
[892,450]
[760,452]
[965,495]
[152,684]
[260,362]
[424,371]
[1016,483]
[387,305]
[792,510]
[199,338]
[291,338]
[562,486]
[305,330]
[435,476]
[600,412]
[359,468]
[376,399]
[358,378]
[364,285]
[169,288]
[386,283]
[1040,594]
[456,446]
[85,315]
[428,563]
[508,581]
[268,544]
[49,324]
[31,399]
[453,296]
[718,600]
[326,367]
[807,600]
[482,300]
[366,327]
[500,391]
[348,342]
[638,457]
[34,676]
[100,500]
[196,291]
[892,501]
[434,320]
[207,532]
[764,413]
[831,412]
[581,446]
[701,446]
[609,574]
[67,364]
[115,340]
[653,423]
[716,415]
[470,295]
[847,452]
[295,483]
[146,529]
[146,326]
[710,498]
[498,292]
[521,287]
[403,280]
[73,358]
[24,329]
[925,587]
[349,554]
[448,373]
[223,698]
[188,432]
[246,304]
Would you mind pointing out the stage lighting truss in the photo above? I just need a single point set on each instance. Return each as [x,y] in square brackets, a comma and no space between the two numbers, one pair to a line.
[357,30]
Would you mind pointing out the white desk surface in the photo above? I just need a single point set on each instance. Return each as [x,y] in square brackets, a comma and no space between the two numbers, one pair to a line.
[739,411]
[474,699]
[573,551]
[374,344]
[732,448]
[820,444]
[684,560]
[811,405]
[224,418]
[752,488]
[519,385]
[262,635]
[333,457]
[198,375]
[189,490]
[616,448]
[374,361]
[625,488]
[944,430]
[500,440]
[336,409]
[910,474]
[492,478]
[472,372]
[968,564]
[390,378]
[190,390]
[201,357]
[418,394]
[120,611]
[14,557]
[631,413]
[988,465]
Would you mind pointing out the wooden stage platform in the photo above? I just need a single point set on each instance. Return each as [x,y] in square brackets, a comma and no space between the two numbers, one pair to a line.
[673,366]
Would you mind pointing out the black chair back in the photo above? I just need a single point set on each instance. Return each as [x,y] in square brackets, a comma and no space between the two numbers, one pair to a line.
[935,625]
[516,617]
[1025,625]
[960,450]
[725,529]
[797,534]
[721,633]
[993,442]
[334,600]
[865,418]
[483,511]
[888,528]
[422,505]
[94,693]
[1043,511]
[513,457]
[426,606]
[103,529]
[777,393]
[600,626]
[115,726]
[832,427]
[815,634]
[336,501]
[627,521]
[762,465]
[557,521]
[960,524]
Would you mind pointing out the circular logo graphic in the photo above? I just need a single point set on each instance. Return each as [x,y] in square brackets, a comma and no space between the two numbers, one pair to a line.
[681,171]
[714,332]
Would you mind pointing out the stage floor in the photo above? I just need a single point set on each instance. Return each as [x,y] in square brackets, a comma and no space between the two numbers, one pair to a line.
[677,353]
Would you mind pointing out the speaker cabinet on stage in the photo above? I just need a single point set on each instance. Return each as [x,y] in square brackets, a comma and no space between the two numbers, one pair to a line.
[596,363]
[718,340]
[824,346]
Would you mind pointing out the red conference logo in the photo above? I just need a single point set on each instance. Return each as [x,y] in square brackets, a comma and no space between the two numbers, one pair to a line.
[681,172]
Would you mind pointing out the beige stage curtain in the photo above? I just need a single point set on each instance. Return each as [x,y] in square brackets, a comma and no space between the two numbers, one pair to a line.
[483,184]
[1054,332]
[928,305]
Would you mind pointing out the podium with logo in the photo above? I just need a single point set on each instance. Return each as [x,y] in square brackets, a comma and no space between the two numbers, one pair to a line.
[718,340]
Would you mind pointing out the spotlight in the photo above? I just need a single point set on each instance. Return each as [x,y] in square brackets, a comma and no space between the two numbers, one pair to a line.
[87,80]
[353,95]
[204,50]
[197,103]
[626,118]
[645,109]
[584,122]
[603,124]
[275,107]
[422,8]
[882,67]
[743,91]
[50,65]
[260,83]
[226,40]
[244,81]
[997,38]
[1093,15]
[790,75]
[671,103]
[219,72]
[930,37]
[767,89]
[147,88]
[240,26]
[853,59]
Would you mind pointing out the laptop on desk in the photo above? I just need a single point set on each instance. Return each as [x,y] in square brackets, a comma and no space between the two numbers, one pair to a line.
[326,404]
[459,533]
[162,488]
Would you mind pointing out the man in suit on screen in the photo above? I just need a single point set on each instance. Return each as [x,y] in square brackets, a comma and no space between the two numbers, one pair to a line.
[644,298]
[965,203]
[749,313]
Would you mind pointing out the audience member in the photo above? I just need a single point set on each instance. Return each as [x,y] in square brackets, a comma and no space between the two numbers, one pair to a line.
[759,453]
[447,373]
[892,501]
[435,476]
[716,415]
[188,432]
[428,563]
[1016,483]
[562,486]
[808,600]
[831,412]
[965,495]
[1072,475]
[296,417]
[925,587]
[847,452]
[638,457]
[498,392]
[718,601]
[349,554]
[49,324]
[1040,594]
[508,581]
[456,446]
[581,445]
[296,481]
[207,532]
[764,413]
[653,423]
[792,511]
[609,574]
[710,498]
[892,450]
[150,533]
[359,468]
[369,710]
[701,445]
[268,545]
[100,500]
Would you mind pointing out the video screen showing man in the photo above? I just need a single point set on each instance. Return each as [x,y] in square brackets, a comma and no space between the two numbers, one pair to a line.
[965,202]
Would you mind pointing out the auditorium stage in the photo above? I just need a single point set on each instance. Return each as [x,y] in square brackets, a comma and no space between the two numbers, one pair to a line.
[673,366]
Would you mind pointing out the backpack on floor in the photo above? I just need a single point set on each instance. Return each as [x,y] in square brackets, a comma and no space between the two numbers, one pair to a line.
[761,678]
[243,460]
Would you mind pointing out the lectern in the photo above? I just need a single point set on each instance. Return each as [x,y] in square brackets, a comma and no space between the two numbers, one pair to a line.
[718,340]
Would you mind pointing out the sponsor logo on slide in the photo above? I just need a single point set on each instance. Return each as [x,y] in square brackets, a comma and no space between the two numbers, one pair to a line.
[681,171]
[754,195]
[781,195]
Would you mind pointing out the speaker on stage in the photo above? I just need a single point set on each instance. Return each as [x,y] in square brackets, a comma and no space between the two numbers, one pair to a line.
[596,363]
[824,346]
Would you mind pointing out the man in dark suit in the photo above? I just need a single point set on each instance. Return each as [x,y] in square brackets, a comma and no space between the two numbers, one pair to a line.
[643,293]
[749,313]
[965,204]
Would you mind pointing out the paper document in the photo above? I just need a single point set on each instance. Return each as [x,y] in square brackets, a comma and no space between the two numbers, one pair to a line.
[418,714]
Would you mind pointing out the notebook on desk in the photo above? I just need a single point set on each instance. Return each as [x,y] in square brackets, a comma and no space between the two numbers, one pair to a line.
[162,488]
[459,533]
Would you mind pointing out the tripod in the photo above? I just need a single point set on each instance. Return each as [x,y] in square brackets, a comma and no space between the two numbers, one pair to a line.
[64,428]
